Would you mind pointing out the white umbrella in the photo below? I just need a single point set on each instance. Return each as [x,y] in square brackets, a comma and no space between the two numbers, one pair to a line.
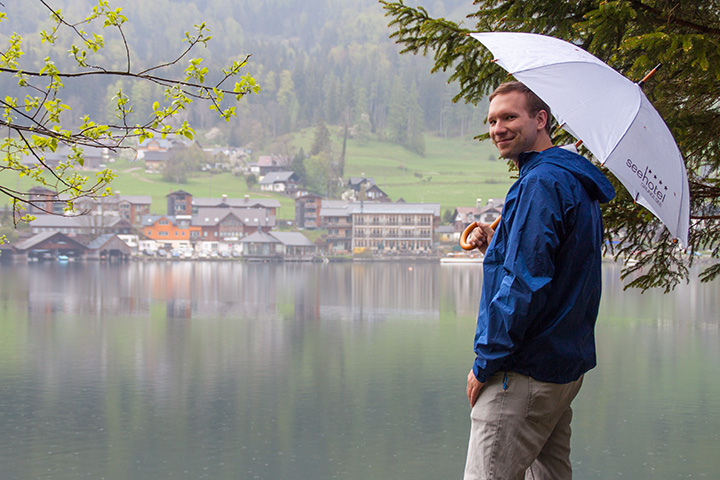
[609,113]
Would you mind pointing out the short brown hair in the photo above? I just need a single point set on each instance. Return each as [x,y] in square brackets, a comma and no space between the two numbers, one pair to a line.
[534,103]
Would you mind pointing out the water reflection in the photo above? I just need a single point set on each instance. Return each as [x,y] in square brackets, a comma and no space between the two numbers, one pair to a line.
[351,371]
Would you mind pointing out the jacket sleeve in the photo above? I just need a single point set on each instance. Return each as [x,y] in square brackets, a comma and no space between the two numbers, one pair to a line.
[529,240]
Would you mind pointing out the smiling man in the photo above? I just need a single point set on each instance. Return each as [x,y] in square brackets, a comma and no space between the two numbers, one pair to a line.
[540,296]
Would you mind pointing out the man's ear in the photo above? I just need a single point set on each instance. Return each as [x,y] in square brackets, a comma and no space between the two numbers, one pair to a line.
[542,119]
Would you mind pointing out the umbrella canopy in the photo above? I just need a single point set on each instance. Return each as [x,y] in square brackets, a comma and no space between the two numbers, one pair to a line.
[609,113]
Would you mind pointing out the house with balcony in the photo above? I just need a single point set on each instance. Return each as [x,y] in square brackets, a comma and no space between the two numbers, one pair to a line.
[307,211]
[42,200]
[400,228]
[336,218]
[128,207]
[270,205]
[74,225]
[179,202]
[229,225]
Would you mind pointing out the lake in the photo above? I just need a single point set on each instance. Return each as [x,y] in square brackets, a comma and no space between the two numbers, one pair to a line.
[352,371]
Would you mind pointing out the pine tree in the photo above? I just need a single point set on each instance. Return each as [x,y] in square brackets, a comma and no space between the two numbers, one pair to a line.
[632,36]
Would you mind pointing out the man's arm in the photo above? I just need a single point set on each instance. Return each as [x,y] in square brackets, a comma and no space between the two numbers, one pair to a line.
[521,270]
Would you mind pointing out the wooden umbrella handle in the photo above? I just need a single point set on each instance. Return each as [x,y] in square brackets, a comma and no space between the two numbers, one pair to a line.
[463,238]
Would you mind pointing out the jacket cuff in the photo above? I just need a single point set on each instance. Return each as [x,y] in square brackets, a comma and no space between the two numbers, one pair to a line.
[481,374]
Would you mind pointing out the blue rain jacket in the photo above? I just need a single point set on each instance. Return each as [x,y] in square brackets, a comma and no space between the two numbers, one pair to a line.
[542,271]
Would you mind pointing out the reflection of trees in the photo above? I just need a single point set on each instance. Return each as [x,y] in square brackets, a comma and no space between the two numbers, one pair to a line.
[289,358]
[462,286]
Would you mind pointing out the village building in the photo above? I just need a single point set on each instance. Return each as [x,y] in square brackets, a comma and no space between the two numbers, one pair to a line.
[179,202]
[336,218]
[155,160]
[307,211]
[170,231]
[94,158]
[42,201]
[81,224]
[364,189]
[487,213]
[286,246]
[129,207]
[374,193]
[270,205]
[394,227]
[55,245]
[231,224]
[270,163]
[281,182]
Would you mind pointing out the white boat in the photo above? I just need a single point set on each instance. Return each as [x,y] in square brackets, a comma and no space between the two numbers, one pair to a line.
[461,258]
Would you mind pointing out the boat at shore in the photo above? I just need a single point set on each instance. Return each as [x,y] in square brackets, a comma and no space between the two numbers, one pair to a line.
[452,258]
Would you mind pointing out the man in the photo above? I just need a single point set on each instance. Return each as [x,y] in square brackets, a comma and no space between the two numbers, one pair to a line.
[540,297]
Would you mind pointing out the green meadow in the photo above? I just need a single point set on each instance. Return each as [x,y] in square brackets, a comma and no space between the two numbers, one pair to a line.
[453,172]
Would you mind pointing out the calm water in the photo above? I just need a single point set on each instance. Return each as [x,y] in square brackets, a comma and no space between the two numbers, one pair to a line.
[231,371]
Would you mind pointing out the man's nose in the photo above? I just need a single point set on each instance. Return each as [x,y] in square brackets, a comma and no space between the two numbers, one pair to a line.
[498,127]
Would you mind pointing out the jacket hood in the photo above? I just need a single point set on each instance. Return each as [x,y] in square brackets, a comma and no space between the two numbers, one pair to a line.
[596,184]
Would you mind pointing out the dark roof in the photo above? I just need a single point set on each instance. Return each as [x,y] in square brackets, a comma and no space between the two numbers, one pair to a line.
[277,177]
[246,202]
[39,238]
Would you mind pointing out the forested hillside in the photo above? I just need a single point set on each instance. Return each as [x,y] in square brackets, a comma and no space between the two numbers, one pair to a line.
[319,60]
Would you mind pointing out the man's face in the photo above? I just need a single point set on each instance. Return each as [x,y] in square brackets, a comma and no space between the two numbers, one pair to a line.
[512,129]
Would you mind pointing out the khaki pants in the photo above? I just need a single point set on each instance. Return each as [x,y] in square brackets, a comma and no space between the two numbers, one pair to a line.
[522,431]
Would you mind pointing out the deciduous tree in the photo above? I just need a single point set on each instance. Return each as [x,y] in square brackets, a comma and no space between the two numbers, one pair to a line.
[37,120]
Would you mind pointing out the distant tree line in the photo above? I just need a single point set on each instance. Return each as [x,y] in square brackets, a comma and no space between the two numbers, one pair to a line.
[329,62]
